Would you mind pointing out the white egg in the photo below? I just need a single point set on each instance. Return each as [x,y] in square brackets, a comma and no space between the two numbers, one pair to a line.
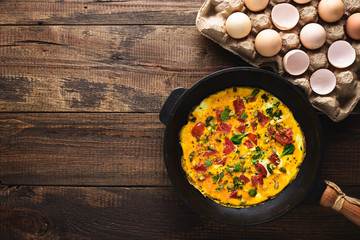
[312,36]
[302,1]
[331,10]
[296,62]
[238,25]
[323,81]
[341,54]
[256,5]
[268,43]
[285,16]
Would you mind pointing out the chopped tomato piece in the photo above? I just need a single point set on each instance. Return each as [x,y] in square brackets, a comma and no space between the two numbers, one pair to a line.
[224,127]
[248,144]
[198,130]
[239,105]
[218,114]
[220,161]
[210,153]
[274,159]
[256,180]
[253,99]
[240,119]
[271,130]
[200,167]
[284,136]
[228,146]
[261,169]
[241,128]
[253,138]
[254,125]
[244,178]
[234,194]
[262,118]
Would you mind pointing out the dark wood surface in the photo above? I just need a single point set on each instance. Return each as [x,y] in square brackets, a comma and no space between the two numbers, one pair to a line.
[81,85]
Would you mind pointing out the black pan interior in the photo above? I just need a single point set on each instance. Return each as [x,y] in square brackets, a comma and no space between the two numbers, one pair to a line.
[293,194]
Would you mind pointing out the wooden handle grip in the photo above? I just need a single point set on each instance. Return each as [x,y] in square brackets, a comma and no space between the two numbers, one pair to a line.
[349,210]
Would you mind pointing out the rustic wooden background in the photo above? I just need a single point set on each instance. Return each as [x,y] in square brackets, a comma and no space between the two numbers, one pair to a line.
[81,85]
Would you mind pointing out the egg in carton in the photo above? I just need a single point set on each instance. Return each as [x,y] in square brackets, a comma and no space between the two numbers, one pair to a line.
[342,100]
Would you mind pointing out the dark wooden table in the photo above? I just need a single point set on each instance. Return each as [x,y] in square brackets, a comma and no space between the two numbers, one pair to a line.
[81,86]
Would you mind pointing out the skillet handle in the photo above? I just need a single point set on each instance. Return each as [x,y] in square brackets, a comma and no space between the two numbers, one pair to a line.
[170,102]
[334,198]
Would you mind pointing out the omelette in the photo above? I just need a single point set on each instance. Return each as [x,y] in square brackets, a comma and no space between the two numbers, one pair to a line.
[241,146]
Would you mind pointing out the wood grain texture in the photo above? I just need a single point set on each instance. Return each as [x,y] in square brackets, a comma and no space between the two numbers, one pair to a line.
[102,68]
[146,213]
[97,12]
[119,149]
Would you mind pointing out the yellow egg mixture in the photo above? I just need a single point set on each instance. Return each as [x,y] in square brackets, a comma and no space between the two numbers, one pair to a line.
[241,146]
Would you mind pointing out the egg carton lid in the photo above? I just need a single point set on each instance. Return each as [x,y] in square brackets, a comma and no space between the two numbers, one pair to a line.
[337,105]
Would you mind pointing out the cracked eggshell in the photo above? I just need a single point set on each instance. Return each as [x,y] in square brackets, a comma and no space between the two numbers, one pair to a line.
[296,62]
[284,16]
[323,81]
[302,1]
[341,54]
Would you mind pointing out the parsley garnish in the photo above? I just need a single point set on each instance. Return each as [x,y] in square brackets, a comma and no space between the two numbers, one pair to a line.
[288,149]
[208,162]
[225,115]
[236,139]
[265,97]
[254,93]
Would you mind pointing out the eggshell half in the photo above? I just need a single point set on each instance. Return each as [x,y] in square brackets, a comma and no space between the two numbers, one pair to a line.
[284,16]
[256,5]
[323,81]
[302,1]
[268,43]
[296,62]
[312,36]
[353,26]
[238,25]
[341,54]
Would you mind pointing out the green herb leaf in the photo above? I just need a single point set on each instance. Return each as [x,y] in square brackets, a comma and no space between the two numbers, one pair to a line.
[254,93]
[254,162]
[259,154]
[269,169]
[225,115]
[288,150]
[246,100]
[252,192]
[221,175]
[236,139]
[215,179]
[265,97]
[244,116]
[282,169]
[276,104]
[269,111]
[237,167]
[207,121]
[192,119]
[208,162]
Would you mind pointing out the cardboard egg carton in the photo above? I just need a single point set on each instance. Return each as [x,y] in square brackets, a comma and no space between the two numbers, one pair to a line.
[338,104]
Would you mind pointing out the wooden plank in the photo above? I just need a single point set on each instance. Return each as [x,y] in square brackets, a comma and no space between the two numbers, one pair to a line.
[102,68]
[169,12]
[119,149]
[146,213]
